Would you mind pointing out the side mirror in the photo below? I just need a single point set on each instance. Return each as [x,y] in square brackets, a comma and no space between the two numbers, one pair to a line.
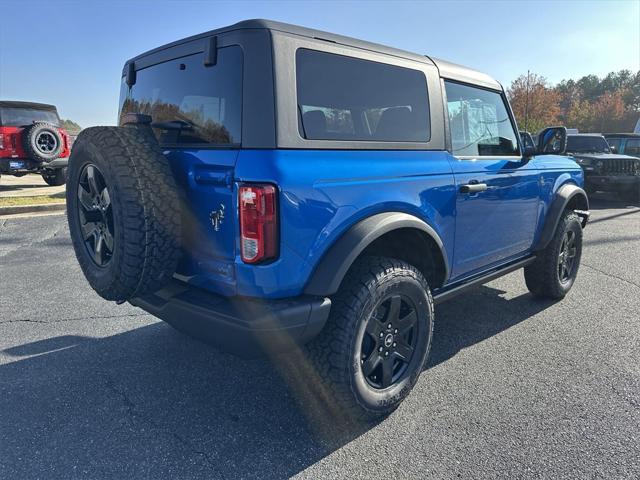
[529,152]
[613,149]
[552,140]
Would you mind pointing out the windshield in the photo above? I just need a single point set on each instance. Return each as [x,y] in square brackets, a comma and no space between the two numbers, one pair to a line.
[587,144]
[19,117]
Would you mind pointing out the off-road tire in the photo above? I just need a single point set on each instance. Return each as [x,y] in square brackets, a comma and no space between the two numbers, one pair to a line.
[30,137]
[56,177]
[145,209]
[542,277]
[336,352]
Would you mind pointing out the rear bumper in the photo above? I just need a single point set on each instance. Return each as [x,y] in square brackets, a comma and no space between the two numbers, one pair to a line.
[10,165]
[244,326]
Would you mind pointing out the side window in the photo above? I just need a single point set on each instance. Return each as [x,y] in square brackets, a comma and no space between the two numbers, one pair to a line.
[479,122]
[615,142]
[632,147]
[350,99]
[188,102]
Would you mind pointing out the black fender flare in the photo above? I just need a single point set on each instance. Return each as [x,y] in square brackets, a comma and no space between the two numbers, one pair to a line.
[568,195]
[335,263]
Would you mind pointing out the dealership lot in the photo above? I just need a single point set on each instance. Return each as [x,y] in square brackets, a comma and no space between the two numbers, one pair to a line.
[516,388]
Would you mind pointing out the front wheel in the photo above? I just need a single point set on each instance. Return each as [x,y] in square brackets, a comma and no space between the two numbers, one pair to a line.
[553,273]
[377,339]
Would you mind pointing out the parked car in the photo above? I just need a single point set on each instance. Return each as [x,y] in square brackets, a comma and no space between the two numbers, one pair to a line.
[527,140]
[626,143]
[32,141]
[604,170]
[273,187]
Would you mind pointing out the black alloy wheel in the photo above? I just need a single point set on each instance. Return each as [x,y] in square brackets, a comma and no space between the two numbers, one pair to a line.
[96,215]
[376,341]
[388,345]
[46,142]
[567,257]
[555,268]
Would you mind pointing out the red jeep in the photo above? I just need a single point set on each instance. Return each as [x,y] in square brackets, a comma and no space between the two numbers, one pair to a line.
[32,141]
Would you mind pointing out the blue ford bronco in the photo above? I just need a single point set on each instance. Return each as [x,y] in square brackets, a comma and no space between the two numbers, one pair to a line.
[272,187]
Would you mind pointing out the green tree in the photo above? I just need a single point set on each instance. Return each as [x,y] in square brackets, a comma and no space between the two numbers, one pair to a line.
[71,126]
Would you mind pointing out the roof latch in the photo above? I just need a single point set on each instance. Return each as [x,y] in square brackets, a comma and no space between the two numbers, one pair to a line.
[211,51]
[131,74]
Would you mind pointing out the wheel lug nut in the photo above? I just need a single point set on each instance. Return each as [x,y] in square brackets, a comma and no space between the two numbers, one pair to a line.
[381,334]
[389,326]
[395,331]
[394,344]
[380,349]
[386,354]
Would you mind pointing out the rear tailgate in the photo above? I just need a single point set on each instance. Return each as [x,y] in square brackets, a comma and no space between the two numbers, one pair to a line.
[209,217]
[196,114]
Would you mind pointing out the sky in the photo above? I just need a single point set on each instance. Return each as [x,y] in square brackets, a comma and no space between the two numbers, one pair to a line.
[71,53]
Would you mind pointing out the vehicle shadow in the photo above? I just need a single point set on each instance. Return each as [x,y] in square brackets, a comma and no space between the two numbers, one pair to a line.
[23,186]
[609,200]
[154,403]
[477,315]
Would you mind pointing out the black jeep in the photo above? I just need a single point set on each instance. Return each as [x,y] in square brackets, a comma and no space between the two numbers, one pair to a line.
[604,170]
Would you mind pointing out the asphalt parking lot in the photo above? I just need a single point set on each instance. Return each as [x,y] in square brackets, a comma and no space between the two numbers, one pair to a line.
[516,388]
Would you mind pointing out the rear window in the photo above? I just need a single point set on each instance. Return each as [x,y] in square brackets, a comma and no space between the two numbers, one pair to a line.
[190,104]
[345,98]
[20,117]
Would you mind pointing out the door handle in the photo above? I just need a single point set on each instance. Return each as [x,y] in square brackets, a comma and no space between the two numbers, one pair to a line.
[473,188]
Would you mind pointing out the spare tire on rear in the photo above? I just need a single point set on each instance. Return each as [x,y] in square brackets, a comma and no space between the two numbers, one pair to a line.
[42,142]
[123,210]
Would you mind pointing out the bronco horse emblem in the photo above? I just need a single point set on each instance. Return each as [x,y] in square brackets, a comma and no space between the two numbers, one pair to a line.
[217,216]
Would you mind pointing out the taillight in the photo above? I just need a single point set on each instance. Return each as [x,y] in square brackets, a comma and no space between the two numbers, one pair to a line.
[1,141]
[258,223]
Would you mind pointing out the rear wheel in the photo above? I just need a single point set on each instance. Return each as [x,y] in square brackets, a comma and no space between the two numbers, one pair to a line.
[376,341]
[554,271]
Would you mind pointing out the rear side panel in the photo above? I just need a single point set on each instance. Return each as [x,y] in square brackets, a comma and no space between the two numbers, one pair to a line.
[324,192]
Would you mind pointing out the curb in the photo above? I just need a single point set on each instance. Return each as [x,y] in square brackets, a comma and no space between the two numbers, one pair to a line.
[45,207]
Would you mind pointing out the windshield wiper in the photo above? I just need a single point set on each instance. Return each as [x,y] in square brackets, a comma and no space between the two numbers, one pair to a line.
[173,125]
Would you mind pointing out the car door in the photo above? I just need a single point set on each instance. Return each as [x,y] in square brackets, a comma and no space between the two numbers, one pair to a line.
[498,190]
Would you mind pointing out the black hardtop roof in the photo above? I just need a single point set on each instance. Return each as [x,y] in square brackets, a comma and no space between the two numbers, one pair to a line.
[31,105]
[622,135]
[447,69]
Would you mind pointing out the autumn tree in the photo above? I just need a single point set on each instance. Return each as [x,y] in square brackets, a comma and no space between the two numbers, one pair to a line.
[534,102]
[608,110]
[590,104]
[579,115]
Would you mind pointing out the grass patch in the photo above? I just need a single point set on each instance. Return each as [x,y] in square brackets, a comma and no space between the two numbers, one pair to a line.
[35,200]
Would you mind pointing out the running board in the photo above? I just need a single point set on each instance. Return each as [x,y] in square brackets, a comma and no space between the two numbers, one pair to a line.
[449,292]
